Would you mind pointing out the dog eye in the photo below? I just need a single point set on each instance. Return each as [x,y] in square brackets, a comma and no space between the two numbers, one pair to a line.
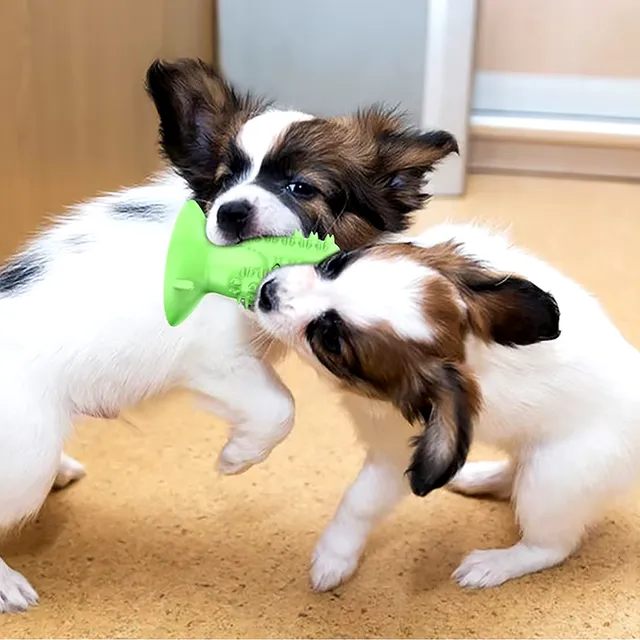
[398,182]
[334,265]
[330,337]
[326,330]
[301,189]
[329,332]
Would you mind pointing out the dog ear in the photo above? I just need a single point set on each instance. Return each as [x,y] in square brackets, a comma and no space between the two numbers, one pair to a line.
[510,310]
[415,151]
[196,108]
[444,403]
[502,308]
[407,157]
[403,156]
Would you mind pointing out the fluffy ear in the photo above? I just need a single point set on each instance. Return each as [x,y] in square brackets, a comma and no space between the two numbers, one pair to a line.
[510,310]
[406,157]
[388,162]
[444,403]
[414,151]
[197,108]
[402,148]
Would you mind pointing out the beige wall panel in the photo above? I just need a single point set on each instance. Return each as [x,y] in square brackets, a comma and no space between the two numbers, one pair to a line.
[75,118]
[575,37]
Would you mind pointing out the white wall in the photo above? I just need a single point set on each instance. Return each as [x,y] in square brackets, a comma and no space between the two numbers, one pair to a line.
[327,57]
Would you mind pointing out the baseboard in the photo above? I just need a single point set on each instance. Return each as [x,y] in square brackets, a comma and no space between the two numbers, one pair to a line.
[529,157]
[566,146]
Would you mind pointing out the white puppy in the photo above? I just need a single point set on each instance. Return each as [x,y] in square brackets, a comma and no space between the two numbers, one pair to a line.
[458,334]
[82,328]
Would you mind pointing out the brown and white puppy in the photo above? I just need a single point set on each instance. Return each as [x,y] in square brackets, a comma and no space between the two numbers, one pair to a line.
[457,333]
[256,171]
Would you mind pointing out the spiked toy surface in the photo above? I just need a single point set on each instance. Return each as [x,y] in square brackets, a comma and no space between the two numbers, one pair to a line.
[195,267]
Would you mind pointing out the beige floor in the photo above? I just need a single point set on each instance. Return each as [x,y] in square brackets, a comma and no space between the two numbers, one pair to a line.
[154,543]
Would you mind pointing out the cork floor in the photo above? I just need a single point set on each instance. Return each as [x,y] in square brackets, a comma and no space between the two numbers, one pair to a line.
[153,543]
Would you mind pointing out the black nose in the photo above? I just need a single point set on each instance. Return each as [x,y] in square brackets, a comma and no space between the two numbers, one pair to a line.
[234,218]
[268,299]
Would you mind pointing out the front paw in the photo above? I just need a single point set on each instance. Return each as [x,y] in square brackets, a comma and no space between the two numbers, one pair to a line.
[237,456]
[330,569]
[16,594]
[484,568]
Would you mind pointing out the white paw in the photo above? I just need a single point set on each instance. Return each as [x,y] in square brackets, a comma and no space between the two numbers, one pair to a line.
[16,594]
[487,568]
[329,569]
[69,471]
[238,456]
[483,478]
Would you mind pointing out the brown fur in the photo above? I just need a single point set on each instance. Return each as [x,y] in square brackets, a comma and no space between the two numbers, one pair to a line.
[367,170]
[428,381]
[500,307]
[200,115]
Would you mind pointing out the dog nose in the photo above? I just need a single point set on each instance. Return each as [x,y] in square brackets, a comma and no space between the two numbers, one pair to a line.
[234,217]
[268,298]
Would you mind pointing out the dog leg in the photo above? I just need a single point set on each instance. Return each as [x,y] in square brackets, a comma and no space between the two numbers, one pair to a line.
[259,406]
[559,490]
[69,471]
[377,489]
[29,457]
[493,479]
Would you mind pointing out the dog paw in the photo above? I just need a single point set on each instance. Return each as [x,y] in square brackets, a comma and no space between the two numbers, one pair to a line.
[329,569]
[491,479]
[16,594]
[492,567]
[485,568]
[69,471]
[236,457]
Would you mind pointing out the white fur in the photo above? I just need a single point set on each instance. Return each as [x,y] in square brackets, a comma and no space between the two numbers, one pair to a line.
[368,292]
[566,411]
[69,470]
[260,134]
[90,337]
[256,137]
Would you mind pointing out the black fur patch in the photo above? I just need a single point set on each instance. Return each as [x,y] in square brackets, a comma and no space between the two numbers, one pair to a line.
[334,265]
[20,272]
[151,212]
[429,469]
[343,189]
[199,115]
[440,140]
[330,339]
[327,329]
[526,314]
[237,165]
[274,175]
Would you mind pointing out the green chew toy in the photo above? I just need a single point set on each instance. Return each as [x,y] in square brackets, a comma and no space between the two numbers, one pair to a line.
[195,267]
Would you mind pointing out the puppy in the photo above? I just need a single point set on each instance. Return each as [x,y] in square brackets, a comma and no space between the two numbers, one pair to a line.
[456,334]
[82,328]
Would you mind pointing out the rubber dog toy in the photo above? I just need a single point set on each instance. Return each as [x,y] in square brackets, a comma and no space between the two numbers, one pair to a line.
[195,267]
